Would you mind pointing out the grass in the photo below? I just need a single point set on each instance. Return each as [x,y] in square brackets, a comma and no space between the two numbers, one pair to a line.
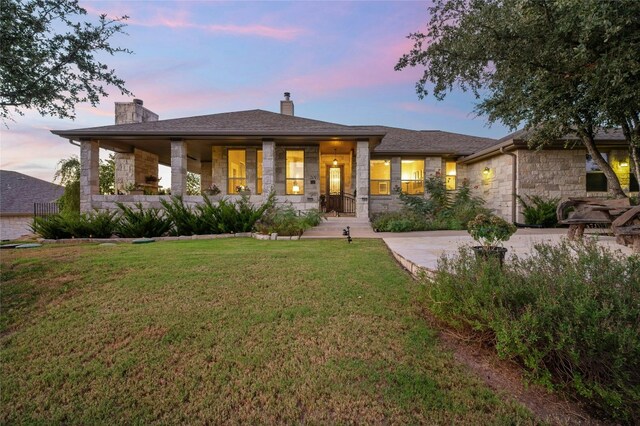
[234,330]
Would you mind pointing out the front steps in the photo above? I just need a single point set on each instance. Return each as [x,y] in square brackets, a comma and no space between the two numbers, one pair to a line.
[333,226]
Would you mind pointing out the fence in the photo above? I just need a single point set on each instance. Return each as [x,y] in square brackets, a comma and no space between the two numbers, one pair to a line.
[45,209]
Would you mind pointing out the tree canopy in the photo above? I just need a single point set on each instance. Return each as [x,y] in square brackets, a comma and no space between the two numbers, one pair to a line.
[556,67]
[49,57]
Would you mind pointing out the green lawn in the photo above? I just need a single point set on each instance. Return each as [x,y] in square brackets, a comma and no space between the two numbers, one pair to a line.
[233,330]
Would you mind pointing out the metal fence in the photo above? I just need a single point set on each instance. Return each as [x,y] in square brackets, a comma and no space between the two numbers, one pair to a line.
[45,209]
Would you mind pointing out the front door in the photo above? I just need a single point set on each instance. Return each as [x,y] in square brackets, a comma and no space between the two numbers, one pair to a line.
[335,188]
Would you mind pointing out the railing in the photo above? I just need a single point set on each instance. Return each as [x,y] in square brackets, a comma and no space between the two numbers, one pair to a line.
[45,209]
[343,203]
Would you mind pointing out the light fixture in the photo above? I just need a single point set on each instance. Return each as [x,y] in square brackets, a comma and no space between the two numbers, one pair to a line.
[486,171]
[624,164]
[295,188]
[387,162]
[335,159]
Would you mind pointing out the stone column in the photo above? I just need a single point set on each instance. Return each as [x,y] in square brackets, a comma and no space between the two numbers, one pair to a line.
[219,168]
[125,173]
[206,175]
[89,174]
[268,165]
[178,167]
[396,175]
[362,179]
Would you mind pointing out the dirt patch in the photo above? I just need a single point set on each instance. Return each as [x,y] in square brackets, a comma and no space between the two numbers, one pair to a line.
[507,379]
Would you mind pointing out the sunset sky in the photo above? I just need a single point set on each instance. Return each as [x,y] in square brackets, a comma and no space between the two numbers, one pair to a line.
[195,58]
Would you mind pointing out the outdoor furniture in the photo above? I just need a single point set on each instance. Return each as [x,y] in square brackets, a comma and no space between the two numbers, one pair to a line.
[589,211]
[626,228]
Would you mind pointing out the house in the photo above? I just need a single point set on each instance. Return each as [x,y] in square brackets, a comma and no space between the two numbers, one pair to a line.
[311,163]
[18,195]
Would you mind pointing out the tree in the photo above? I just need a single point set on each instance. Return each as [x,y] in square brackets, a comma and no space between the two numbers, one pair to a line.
[48,58]
[193,184]
[556,67]
[68,172]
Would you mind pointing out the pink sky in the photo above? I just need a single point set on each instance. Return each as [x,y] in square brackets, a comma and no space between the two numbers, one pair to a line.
[194,58]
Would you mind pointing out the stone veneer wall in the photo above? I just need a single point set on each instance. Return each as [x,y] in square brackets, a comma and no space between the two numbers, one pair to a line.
[495,188]
[12,227]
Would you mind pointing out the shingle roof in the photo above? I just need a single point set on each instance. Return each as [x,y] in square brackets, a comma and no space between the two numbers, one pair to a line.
[252,122]
[601,134]
[431,141]
[18,192]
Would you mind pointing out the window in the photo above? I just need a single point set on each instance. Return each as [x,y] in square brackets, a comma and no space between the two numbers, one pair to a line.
[596,180]
[633,182]
[236,170]
[294,173]
[259,172]
[380,177]
[412,173]
[450,172]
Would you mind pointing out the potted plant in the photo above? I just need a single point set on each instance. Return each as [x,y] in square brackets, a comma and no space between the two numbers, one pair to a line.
[243,190]
[490,231]
[151,179]
[212,190]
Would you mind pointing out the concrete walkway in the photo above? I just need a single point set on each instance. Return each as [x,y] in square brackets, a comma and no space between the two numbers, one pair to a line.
[423,249]
[333,226]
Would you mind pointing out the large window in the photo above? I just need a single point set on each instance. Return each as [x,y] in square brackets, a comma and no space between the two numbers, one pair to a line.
[596,180]
[412,173]
[259,172]
[380,177]
[295,172]
[450,172]
[236,170]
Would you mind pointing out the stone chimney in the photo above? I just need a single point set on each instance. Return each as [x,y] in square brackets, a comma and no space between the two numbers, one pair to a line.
[286,106]
[133,112]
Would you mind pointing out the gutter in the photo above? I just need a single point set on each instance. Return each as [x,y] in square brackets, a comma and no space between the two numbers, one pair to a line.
[488,152]
[514,171]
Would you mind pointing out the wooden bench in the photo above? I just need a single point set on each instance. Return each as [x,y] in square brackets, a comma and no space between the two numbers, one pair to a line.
[589,211]
[626,228]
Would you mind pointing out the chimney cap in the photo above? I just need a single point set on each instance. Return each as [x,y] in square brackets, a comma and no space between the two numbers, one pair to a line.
[286,96]
[137,101]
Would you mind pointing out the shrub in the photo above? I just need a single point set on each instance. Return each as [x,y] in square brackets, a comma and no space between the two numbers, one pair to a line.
[284,219]
[539,211]
[183,219]
[401,221]
[569,314]
[140,222]
[489,230]
[76,225]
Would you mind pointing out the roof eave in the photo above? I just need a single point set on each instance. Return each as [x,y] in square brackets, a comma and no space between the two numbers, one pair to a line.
[74,134]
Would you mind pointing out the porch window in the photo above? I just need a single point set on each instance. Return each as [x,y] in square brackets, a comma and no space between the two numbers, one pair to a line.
[294,172]
[236,170]
[450,171]
[380,177]
[259,172]
[596,180]
[412,173]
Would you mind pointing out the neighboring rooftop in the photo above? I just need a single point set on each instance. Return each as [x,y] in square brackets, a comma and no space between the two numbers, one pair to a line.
[18,192]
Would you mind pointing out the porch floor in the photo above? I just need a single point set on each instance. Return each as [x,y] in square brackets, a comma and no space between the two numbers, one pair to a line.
[333,226]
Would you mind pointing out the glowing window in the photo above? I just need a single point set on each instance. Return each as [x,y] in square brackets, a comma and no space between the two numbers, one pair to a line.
[259,172]
[236,170]
[450,175]
[412,175]
[380,177]
[294,173]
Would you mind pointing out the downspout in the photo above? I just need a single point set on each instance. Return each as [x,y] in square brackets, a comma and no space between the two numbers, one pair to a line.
[514,170]
[72,142]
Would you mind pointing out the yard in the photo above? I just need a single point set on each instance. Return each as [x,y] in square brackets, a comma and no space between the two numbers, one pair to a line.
[235,330]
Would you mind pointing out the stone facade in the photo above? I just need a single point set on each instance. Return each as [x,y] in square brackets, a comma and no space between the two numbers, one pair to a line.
[133,169]
[494,184]
[362,179]
[178,168]
[13,227]
[133,112]
[89,173]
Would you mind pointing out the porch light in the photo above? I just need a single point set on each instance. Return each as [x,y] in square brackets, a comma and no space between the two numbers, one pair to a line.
[295,188]
[624,164]
[387,162]
[335,159]
[486,171]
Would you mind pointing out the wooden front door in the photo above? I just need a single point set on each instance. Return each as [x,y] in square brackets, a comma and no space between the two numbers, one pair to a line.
[335,188]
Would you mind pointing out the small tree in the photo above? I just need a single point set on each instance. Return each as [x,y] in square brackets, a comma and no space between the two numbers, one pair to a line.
[68,173]
[193,184]
[48,57]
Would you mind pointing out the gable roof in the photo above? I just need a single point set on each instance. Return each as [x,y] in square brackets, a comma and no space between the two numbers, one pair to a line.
[18,192]
[601,135]
[250,123]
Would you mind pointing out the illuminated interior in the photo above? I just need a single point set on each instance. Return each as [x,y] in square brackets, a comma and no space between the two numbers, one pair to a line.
[295,172]
[412,174]
[236,170]
[259,172]
[380,177]
[450,175]
[335,181]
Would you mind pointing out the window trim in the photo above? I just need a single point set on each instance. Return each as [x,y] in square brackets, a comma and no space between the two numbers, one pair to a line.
[420,179]
[286,172]
[380,181]
[259,179]
[596,172]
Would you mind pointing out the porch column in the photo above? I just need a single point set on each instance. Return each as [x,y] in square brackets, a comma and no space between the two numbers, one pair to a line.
[206,175]
[251,170]
[178,167]
[268,165]
[89,174]
[362,179]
